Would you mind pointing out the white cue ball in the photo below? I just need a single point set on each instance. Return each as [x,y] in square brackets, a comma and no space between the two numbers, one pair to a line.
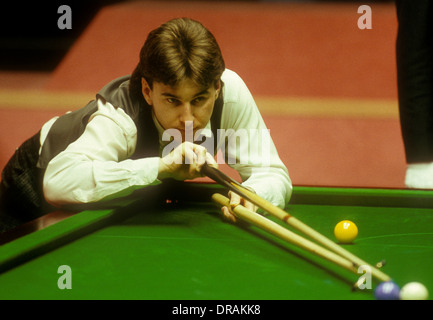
[414,291]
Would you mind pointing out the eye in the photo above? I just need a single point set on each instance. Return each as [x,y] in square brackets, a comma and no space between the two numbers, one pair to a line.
[198,100]
[171,100]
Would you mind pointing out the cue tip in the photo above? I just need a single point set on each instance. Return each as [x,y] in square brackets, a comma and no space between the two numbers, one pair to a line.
[356,285]
[381,264]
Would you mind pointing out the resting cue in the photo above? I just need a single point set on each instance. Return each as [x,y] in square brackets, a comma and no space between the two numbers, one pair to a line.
[279,213]
[260,221]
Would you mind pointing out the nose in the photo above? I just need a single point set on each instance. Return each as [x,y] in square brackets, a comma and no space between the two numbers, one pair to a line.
[186,113]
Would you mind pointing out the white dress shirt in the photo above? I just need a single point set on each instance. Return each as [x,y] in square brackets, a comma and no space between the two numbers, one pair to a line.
[97,164]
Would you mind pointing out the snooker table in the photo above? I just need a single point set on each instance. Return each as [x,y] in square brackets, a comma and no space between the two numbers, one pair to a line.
[171,244]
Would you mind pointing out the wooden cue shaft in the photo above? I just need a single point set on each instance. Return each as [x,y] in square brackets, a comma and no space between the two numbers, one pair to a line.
[260,221]
[302,227]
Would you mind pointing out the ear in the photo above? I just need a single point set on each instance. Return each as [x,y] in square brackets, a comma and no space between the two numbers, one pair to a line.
[218,88]
[146,91]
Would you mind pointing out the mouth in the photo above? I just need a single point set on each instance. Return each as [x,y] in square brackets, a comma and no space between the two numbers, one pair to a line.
[187,129]
[188,134]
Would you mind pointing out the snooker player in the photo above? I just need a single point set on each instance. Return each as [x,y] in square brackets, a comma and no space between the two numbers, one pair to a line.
[119,140]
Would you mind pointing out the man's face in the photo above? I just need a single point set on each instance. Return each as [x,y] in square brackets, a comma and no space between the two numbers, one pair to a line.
[184,104]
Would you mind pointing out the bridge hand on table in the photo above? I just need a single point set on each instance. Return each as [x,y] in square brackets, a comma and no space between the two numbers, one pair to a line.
[235,200]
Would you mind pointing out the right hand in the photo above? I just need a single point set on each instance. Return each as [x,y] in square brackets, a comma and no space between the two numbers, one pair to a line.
[185,162]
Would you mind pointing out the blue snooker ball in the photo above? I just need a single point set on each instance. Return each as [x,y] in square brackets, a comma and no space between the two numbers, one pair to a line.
[388,290]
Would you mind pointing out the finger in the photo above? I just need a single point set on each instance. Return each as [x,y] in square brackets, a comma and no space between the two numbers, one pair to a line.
[211,161]
[250,206]
[235,199]
[189,155]
[227,215]
[201,157]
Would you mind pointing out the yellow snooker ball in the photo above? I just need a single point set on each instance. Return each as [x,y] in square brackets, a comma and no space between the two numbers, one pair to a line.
[346,231]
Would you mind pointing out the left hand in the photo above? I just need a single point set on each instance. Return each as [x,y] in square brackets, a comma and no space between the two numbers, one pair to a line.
[235,200]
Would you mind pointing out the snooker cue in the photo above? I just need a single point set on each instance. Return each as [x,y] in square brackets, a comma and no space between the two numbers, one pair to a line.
[282,233]
[279,213]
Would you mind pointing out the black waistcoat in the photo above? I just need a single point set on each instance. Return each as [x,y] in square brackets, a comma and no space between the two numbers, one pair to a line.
[21,195]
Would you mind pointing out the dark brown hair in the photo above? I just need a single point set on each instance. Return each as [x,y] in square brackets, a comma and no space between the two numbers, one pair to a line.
[180,48]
